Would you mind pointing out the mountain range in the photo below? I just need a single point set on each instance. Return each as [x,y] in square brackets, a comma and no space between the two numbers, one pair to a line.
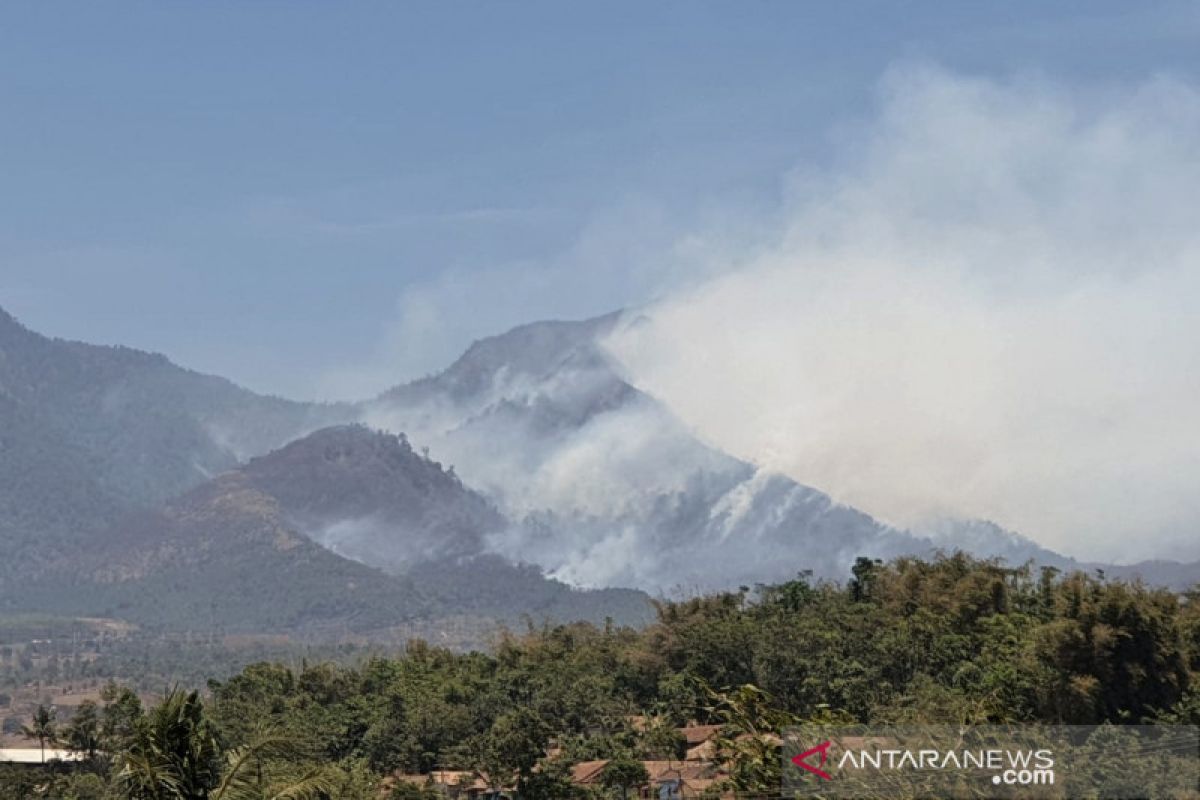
[530,477]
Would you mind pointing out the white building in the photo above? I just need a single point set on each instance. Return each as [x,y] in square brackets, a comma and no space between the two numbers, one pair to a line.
[33,755]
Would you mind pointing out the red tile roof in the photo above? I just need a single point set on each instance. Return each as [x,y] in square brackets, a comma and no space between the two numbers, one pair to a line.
[697,734]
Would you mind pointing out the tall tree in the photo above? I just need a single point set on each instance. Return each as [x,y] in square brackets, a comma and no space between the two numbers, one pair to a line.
[83,731]
[512,747]
[624,773]
[748,743]
[173,753]
[44,728]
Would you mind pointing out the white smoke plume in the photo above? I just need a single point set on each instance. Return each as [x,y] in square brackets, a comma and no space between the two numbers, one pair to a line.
[986,307]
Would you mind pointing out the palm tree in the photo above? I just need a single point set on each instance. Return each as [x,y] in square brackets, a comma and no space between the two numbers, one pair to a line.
[247,773]
[175,755]
[172,753]
[44,728]
[748,742]
[83,732]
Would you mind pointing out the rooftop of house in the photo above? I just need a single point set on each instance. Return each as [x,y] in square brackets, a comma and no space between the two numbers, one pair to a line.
[676,770]
[588,772]
[705,751]
[697,734]
[465,779]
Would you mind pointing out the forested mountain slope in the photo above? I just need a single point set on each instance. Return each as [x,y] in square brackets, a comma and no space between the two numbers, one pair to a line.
[88,432]
[251,550]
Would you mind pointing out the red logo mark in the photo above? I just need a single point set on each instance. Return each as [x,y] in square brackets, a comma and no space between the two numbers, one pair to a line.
[823,749]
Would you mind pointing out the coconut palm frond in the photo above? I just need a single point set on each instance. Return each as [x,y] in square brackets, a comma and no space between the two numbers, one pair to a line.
[313,786]
[244,773]
[147,775]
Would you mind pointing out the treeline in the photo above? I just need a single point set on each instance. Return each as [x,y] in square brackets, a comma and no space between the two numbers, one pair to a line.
[954,640]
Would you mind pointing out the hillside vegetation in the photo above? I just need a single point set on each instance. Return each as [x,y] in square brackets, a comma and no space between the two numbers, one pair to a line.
[953,640]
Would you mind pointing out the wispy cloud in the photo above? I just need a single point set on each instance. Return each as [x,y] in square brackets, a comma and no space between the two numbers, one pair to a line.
[624,255]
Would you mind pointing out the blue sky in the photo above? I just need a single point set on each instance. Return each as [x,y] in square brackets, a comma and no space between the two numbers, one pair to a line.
[322,199]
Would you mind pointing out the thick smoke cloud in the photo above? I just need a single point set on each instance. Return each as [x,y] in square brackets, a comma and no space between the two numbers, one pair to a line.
[987,307]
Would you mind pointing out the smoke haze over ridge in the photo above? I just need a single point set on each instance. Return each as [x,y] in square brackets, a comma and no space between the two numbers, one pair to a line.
[985,308]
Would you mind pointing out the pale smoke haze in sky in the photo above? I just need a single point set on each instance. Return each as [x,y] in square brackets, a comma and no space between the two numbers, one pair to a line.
[986,307]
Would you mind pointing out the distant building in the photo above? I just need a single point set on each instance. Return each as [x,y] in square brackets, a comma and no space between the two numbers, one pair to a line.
[32,756]
[689,779]
[454,784]
[700,744]
[669,780]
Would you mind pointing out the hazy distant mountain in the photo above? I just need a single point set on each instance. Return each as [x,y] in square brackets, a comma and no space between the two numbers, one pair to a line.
[88,432]
[95,442]
[606,485]
[989,540]
[50,494]
[244,552]
[134,487]
[370,497]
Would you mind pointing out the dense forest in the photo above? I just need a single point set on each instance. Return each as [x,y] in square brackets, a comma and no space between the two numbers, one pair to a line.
[948,640]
